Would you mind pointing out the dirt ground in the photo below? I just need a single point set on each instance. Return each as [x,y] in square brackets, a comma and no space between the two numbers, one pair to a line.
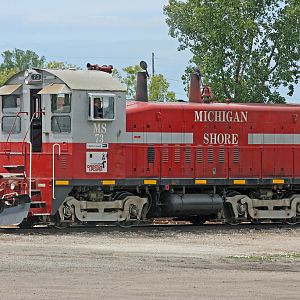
[155,263]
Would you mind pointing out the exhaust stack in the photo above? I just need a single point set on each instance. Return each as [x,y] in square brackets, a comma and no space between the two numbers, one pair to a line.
[141,84]
[195,92]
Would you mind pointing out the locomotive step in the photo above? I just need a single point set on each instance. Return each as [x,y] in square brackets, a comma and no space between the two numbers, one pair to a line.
[12,175]
[33,191]
[38,202]
[14,168]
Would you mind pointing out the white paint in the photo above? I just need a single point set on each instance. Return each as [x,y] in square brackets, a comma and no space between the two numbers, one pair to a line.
[96,146]
[221,116]
[220,139]
[273,139]
[96,162]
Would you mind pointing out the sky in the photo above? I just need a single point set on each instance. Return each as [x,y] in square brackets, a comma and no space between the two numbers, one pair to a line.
[113,32]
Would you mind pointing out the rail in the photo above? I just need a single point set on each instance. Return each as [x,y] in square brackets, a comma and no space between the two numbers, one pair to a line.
[30,166]
[53,168]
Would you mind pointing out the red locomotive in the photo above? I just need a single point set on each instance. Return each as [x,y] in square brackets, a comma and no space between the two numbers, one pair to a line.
[72,150]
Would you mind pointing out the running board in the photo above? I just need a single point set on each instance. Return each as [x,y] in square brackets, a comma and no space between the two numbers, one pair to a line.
[12,175]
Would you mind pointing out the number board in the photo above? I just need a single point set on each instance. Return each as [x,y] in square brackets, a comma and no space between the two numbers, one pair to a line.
[36,77]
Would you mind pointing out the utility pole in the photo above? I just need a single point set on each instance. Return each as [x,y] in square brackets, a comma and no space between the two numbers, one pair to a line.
[153,63]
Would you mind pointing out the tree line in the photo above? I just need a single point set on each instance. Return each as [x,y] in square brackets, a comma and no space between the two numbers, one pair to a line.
[18,60]
[245,49]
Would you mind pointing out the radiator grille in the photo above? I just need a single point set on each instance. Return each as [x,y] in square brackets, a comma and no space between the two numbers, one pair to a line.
[199,155]
[165,154]
[150,154]
[177,154]
[188,155]
[236,155]
[63,162]
[221,155]
[210,155]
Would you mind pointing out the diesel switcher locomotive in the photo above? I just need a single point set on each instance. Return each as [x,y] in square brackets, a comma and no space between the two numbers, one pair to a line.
[74,151]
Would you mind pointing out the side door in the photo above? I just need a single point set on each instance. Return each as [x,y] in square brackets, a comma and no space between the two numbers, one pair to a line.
[36,123]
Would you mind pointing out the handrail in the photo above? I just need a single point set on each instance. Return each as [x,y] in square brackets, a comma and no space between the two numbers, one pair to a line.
[13,125]
[53,168]
[30,166]
[33,115]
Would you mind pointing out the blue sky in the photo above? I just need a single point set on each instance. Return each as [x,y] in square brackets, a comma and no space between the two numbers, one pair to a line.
[116,32]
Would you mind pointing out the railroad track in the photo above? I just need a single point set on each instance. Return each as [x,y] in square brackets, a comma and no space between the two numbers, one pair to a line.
[151,229]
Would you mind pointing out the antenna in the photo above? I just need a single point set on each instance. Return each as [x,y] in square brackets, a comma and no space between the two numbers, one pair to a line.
[152,63]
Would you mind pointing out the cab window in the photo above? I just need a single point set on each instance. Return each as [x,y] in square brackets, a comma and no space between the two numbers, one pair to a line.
[11,124]
[61,124]
[101,107]
[11,104]
[61,103]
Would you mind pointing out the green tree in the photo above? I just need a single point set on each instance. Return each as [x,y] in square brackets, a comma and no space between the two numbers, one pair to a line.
[245,49]
[116,74]
[157,86]
[60,65]
[5,74]
[20,60]
[158,89]
[130,79]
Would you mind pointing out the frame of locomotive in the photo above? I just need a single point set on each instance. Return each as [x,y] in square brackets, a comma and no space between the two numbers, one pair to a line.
[190,161]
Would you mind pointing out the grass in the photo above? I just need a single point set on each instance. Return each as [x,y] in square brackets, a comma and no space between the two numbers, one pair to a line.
[267,257]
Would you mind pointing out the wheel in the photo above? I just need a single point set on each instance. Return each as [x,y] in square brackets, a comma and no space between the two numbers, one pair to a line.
[233,222]
[232,193]
[292,221]
[58,224]
[122,195]
[256,221]
[128,223]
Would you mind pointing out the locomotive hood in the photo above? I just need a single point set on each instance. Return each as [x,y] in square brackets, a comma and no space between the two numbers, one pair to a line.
[88,80]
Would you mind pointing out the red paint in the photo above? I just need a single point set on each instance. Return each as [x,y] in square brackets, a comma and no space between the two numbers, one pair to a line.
[179,160]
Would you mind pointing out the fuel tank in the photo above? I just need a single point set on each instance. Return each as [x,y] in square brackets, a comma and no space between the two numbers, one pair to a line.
[182,205]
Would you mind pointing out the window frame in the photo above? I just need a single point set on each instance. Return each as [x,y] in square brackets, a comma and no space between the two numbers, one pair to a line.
[61,116]
[92,96]
[62,112]
[13,131]
[15,96]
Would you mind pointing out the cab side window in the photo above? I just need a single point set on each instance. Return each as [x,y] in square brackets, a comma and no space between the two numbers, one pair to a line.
[61,109]
[61,103]
[102,107]
[11,105]
[11,124]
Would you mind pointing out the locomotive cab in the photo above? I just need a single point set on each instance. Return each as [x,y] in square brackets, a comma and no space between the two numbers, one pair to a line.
[60,130]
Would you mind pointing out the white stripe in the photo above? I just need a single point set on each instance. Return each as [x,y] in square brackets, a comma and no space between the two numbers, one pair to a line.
[159,138]
[273,139]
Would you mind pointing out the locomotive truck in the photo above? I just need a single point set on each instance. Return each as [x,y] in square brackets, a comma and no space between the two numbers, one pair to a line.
[74,151]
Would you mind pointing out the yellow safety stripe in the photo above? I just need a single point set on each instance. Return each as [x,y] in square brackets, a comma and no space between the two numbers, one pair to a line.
[200,181]
[150,181]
